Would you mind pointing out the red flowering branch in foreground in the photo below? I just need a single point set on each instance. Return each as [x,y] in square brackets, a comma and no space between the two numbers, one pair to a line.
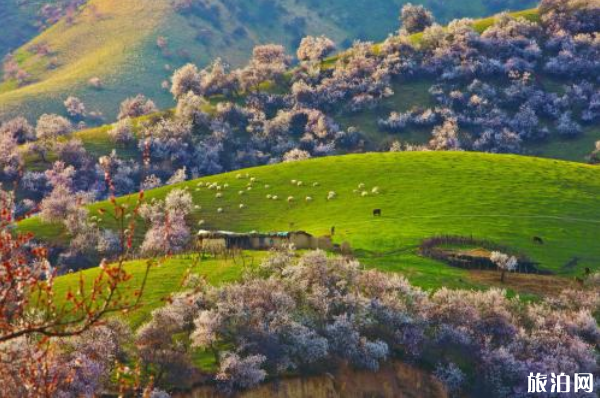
[28,302]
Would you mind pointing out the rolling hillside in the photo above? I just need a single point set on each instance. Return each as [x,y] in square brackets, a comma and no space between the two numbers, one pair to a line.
[117,42]
[26,20]
[407,95]
[506,199]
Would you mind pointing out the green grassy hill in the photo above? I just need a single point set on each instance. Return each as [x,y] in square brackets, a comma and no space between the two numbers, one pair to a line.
[506,199]
[117,42]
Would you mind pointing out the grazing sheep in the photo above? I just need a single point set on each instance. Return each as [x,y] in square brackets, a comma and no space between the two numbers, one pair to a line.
[238,176]
[200,184]
[267,186]
[331,195]
[197,207]
[219,195]
[201,222]
[364,193]
[355,190]
[269,196]
[315,184]
[290,199]
[249,188]
[242,206]
[375,190]
[274,197]
[309,199]
[219,187]
[225,186]
[252,179]
[300,183]
[220,210]
[241,192]
[361,186]
[293,182]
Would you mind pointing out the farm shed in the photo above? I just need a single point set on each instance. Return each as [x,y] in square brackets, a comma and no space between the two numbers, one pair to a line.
[262,241]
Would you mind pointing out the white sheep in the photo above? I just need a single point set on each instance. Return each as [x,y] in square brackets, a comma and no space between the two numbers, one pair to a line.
[315,184]
[269,196]
[361,186]
[247,175]
[238,176]
[219,195]
[309,199]
[201,222]
[200,184]
[197,207]
[364,193]
[242,206]
[219,187]
[267,186]
[300,183]
[290,199]
[241,192]
[293,182]
[331,195]
[225,186]
[274,197]
[220,210]
[355,191]
[249,188]
[253,179]
[375,190]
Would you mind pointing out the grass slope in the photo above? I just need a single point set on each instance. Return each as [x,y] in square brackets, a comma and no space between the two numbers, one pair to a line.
[116,41]
[165,278]
[23,19]
[507,199]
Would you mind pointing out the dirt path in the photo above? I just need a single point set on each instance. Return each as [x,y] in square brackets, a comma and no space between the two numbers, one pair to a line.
[540,285]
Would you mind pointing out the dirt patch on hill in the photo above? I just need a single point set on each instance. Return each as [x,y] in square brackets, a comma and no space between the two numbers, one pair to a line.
[540,285]
[395,380]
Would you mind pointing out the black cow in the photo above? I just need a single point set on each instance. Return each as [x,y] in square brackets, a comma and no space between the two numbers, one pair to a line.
[538,240]
[377,213]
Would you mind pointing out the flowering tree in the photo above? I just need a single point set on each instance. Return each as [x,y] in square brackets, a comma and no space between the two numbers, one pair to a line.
[122,132]
[136,106]
[19,128]
[315,49]
[48,129]
[75,107]
[415,18]
[504,262]
[185,80]
[168,232]
[11,159]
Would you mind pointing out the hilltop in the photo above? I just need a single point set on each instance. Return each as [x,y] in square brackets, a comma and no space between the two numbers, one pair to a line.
[133,47]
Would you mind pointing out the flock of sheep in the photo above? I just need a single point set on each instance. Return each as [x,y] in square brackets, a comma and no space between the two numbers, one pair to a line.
[253,183]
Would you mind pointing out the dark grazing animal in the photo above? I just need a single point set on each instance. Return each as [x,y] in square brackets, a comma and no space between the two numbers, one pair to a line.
[377,213]
[538,240]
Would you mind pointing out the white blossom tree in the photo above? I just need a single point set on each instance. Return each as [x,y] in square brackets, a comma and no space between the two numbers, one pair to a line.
[504,262]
